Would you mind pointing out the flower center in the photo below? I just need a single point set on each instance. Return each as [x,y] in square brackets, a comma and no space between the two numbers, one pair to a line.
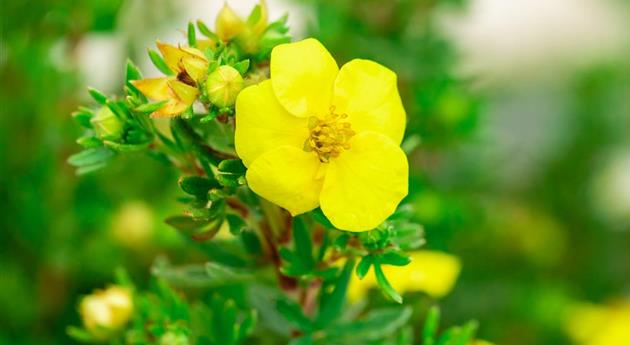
[328,136]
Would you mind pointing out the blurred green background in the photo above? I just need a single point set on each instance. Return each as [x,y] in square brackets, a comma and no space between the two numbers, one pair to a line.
[520,110]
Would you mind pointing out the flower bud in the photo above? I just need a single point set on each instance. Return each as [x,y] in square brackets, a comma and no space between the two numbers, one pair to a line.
[106,311]
[223,85]
[228,24]
[106,124]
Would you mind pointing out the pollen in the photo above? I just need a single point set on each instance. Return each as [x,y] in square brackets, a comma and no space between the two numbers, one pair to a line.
[329,135]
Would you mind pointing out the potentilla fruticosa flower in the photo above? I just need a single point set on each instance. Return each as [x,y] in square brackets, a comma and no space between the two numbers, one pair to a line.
[316,135]
[180,90]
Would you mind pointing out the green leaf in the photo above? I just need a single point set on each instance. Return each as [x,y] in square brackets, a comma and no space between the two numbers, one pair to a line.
[254,16]
[89,141]
[90,168]
[248,325]
[302,242]
[194,275]
[119,108]
[132,72]
[83,117]
[293,313]
[341,242]
[242,66]
[90,157]
[377,324]
[233,166]
[192,35]
[332,305]
[80,334]
[98,96]
[394,258]
[364,266]
[236,223]
[159,62]
[126,147]
[186,223]
[231,173]
[407,235]
[319,217]
[431,324]
[149,108]
[251,242]
[384,285]
[205,31]
[196,185]
[226,274]
[459,335]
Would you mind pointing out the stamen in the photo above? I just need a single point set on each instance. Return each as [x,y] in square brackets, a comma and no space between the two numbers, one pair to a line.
[329,136]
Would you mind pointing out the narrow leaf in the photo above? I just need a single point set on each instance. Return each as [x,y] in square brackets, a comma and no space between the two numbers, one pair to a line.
[384,284]
[192,35]
[98,96]
[430,326]
[159,62]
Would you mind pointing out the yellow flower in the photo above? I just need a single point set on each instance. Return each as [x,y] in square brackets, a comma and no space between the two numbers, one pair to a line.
[106,311]
[316,135]
[590,324]
[431,272]
[181,90]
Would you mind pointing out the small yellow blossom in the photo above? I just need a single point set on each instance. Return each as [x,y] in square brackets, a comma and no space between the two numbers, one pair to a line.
[431,272]
[106,311]
[229,26]
[590,324]
[316,135]
[190,66]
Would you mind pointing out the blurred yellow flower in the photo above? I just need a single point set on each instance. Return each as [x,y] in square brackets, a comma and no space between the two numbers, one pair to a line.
[106,311]
[431,272]
[132,225]
[590,324]
[316,135]
[190,66]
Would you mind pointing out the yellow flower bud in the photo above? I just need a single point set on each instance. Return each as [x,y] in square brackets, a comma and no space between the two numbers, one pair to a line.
[223,85]
[106,124]
[228,24]
[106,311]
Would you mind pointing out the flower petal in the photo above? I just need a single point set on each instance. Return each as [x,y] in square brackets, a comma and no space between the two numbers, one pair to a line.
[184,92]
[263,124]
[303,74]
[154,88]
[288,177]
[174,107]
[368,93]
[364,185]
[173,56]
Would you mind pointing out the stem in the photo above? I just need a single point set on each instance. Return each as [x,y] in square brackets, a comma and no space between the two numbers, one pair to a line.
[273,230]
